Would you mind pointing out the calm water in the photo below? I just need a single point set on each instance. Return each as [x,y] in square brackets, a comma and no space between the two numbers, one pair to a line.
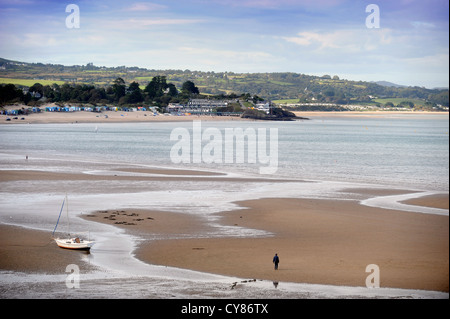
[406,151]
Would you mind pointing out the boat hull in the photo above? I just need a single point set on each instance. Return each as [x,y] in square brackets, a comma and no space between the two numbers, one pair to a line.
[74,243]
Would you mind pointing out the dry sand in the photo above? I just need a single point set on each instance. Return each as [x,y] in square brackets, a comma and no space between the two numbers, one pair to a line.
[373,114]
[147,116]
[107,117]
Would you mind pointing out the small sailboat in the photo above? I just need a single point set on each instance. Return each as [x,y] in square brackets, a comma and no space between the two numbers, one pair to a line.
[70,242]
[74,243]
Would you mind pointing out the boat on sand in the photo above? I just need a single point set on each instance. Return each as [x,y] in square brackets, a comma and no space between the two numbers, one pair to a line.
[74,243]
[70,242]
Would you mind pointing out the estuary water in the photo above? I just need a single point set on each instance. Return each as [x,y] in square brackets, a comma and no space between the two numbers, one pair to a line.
[394,150]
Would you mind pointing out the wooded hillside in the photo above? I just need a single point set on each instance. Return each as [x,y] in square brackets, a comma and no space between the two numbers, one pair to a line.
[278,87]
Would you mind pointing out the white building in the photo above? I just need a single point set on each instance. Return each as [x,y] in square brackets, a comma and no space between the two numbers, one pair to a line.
[206,104]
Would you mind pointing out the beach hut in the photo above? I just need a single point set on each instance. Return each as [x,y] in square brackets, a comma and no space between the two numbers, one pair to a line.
[54,109]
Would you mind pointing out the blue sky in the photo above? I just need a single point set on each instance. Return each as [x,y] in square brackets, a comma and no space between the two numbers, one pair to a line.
[314,37]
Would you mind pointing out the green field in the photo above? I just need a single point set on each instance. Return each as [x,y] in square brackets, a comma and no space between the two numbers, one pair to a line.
[28,82]
[397,101]
[289,101]
[280,83]
[144,78]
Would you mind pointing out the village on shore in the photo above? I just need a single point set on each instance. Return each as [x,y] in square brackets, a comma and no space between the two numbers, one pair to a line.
[264,110]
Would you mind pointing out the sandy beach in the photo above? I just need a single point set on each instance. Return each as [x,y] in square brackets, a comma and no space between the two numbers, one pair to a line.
[435,201]
[354,114]
[33,251]
[147,116]
[106,117]
[318,241]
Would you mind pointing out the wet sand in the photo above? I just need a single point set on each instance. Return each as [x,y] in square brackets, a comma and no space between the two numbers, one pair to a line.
[318,241]
[33,251]
[153,174]
[148,175]
[435,201]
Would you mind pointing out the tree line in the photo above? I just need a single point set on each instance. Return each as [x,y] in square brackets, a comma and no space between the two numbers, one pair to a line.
[157,92]
[273,86]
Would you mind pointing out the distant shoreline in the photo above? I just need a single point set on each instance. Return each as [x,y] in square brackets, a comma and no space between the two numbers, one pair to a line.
[103,117]
[107,117]
[148,116]
[366,113]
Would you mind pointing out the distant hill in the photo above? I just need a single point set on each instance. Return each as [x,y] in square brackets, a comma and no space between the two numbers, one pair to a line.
[389,84]
[280,86]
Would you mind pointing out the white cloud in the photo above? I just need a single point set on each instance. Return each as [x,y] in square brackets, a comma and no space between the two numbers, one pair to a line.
[39,40]
[186,57]
[345,40]
[107,26]
[89,40]
[145,6]
[433,62]
[421,24]
[157,21]
[273,4]
[17,2]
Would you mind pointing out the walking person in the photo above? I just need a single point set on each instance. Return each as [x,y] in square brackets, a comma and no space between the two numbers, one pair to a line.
[276,260]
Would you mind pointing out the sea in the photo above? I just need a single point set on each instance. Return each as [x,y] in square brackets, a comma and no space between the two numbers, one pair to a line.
[316,158]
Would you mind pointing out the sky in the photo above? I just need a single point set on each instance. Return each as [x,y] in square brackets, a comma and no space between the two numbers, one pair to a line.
[401,41]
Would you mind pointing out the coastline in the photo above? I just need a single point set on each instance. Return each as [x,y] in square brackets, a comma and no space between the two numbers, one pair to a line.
[108,117]
[148,116]
[321,114]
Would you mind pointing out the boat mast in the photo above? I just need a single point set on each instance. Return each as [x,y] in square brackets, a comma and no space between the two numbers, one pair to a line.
[67,212]
[57,222]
